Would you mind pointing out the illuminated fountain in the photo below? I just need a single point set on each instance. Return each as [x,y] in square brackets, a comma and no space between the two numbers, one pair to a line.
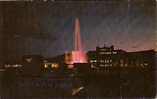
[77,55]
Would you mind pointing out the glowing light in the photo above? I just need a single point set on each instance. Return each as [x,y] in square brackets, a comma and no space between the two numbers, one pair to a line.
[78,44]
[45,66]
[29,60]
[77,55]
[54,65]
[93,61]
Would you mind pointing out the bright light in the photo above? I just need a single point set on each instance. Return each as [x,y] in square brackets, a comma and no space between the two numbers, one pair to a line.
[93,61]
[12,65]
[54,65]
[77,55]
[29,60]
[45,65]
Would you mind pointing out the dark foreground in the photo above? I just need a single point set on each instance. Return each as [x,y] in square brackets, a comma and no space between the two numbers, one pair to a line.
[122,84]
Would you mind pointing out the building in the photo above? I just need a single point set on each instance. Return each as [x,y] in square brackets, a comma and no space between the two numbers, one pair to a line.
[125,71]
[54,64]
[105,58]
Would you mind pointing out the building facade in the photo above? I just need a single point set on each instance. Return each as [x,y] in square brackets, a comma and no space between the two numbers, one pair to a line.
[104,58]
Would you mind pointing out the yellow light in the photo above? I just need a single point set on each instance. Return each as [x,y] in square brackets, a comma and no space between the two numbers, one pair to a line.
[54,65]
[29,60]
[146,64]
[45,65]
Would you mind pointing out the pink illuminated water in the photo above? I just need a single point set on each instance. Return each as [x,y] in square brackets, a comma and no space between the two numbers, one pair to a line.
[77,44]
[77,55]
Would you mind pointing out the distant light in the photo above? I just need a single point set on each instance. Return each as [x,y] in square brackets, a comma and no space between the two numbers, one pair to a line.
[102,65]
[17,65]
[54,65]
[51,65]
[45,66]
[77,55]
[114,52]
[93,61]
[12,65]
[146,64]
[28,60]
[7,65]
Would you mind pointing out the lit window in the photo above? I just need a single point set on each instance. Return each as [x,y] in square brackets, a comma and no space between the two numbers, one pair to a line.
[93,61]
[17,65]
[121,64]
[45,65]
[29,60]
[54,65]
[107,61]
[103,49]
[141,64]
[92,66]
[102,61]
[7,65]
[114,52]
[108,52]
[102,53]
[126,65]
[102,65]
[146,64]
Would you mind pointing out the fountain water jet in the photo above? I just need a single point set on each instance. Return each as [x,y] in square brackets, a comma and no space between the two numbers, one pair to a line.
[77,55]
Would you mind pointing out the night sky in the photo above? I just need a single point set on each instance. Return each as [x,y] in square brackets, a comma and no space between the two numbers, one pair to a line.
[47,28]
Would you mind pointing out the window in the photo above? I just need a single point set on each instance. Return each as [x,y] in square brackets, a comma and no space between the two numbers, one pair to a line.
[114,52]
[107,61]
[54,65]
[102,65]
[102,53]
[45,66]
[93,61]
[126,65]
[108,53]
[106,65]
[102,61]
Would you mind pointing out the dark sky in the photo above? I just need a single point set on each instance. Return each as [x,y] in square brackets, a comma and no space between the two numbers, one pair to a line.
[47,28]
